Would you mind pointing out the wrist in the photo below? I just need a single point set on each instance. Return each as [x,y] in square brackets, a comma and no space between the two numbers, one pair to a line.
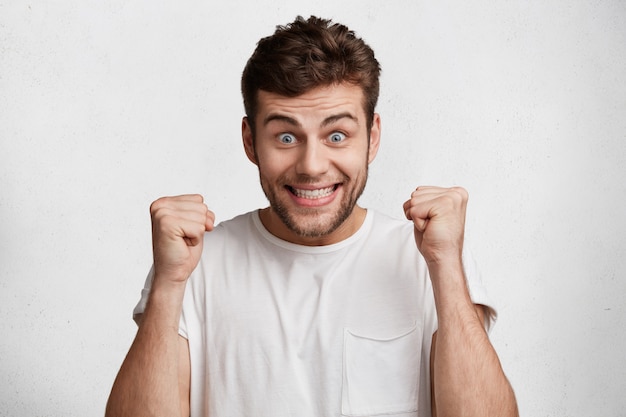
[169,282]
[165,301]
[446,265]
[442,255]
[448,281]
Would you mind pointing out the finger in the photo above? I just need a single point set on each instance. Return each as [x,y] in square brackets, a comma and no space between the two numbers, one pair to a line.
[196,213]
[442,198]
[406,206]
[200,214]
[427,187]
[209,221]
[422,207]
[414,208]
[419,215]
[168,217]
[177,201]
[188,197]
[420,224]
[420,196]
[427,192]
[192,232]
[422,189]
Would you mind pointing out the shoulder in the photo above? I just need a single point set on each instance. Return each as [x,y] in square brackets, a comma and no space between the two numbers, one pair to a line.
[240,225]
[386,225]
[229,237]
[392,239]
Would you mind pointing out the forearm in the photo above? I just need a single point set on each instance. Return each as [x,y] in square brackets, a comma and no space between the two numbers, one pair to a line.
[147,383]
[468,379]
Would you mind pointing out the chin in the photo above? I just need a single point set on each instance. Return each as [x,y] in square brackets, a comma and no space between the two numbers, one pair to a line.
[307,223]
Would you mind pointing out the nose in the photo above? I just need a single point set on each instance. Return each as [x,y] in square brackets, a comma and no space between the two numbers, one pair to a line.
[313,159]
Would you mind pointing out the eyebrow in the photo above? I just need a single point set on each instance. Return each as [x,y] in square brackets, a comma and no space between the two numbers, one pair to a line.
[281,118]
[335,118]
[327,121]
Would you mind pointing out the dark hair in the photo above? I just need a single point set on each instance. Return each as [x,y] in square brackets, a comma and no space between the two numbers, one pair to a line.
[307,54]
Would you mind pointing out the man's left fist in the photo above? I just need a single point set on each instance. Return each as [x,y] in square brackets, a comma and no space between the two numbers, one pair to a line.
[439,218]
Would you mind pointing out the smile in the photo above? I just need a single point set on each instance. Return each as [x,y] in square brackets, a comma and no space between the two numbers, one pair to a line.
[312,194]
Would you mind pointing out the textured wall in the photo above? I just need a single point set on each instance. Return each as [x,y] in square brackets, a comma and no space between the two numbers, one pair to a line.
[106,105]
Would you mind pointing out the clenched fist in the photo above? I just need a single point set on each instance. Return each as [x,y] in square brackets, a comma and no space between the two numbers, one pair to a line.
[439,218]
[178,227]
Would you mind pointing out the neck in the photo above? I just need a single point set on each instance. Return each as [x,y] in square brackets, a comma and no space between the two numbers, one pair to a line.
[275,226]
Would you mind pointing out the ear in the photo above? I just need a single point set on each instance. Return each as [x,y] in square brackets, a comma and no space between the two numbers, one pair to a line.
[248,140]
[374,138]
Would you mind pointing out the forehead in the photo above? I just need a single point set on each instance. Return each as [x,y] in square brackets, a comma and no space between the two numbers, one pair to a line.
[320,101]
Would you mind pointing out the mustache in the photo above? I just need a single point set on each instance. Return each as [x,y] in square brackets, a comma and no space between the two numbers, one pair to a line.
[309,180]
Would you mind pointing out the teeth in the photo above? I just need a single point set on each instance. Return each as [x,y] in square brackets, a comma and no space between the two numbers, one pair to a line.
[313,194]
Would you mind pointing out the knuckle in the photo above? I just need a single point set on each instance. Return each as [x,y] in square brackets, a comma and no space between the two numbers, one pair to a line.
[158,204]
[158,213]
[155,206]
[460,190]
[163,221]
[197,197]
[449,199]
[460,193]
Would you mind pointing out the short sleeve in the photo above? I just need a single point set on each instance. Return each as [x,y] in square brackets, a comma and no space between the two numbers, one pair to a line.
[477,291]
[145,292]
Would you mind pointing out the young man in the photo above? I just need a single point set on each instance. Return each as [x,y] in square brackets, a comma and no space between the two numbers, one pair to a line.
[313,306]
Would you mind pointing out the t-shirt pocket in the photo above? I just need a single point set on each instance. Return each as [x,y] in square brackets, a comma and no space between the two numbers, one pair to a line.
[381,374]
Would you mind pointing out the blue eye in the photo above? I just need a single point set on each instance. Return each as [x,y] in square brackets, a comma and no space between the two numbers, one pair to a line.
[337,137]
[286,138]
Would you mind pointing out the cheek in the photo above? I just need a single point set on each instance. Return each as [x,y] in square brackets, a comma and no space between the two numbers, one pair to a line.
[271,165]
[353,163]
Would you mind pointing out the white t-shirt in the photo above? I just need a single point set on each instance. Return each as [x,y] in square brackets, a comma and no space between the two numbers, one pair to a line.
[277,329]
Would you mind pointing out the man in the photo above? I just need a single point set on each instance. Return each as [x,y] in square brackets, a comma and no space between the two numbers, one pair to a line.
[313,306]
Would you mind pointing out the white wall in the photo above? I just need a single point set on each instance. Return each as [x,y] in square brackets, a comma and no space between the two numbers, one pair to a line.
[106,105]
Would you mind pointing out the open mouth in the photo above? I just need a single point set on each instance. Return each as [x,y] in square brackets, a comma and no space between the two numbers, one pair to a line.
[312,194]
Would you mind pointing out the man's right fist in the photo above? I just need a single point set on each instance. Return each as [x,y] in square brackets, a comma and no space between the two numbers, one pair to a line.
[178,227]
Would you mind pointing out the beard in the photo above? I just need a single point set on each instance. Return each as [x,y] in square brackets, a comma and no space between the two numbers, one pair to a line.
[313,222]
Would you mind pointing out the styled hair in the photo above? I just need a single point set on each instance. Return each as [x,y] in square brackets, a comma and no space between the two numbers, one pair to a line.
[307,54]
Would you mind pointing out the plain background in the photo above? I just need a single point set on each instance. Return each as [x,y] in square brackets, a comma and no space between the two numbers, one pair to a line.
[107,105]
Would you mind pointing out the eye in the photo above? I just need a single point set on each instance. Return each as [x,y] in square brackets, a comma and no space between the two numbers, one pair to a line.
[286,138]
[337,137]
